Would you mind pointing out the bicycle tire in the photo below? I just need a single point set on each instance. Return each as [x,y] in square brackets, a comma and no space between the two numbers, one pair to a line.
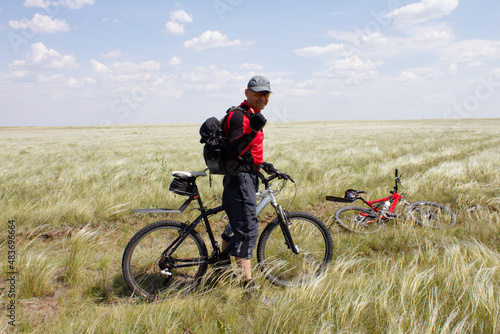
[142,261]
[284,268]
[357,219]
[431,214]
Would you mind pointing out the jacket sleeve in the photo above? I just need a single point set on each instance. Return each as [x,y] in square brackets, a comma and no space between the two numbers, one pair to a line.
[239,134]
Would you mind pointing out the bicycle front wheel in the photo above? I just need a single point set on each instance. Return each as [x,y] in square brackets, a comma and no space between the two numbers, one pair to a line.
[283,267]
[148,272]
[357,219]
[431,214]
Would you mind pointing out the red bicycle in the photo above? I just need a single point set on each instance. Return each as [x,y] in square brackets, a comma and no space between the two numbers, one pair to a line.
[359,219]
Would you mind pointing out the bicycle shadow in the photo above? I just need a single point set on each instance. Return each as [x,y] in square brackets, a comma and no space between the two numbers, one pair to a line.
[116,289]
[108,291]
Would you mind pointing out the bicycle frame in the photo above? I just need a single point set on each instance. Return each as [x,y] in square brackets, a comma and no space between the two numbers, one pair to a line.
[266,196]
[375,205]
[394,199]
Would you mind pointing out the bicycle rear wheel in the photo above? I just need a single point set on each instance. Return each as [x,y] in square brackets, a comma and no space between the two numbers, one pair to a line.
[431,214]
[280,265]
[357,219]
[143,262]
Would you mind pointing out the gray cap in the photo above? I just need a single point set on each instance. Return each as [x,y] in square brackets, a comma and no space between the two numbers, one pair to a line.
[259,83]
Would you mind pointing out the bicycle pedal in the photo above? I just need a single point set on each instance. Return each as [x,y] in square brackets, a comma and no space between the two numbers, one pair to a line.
[166,272]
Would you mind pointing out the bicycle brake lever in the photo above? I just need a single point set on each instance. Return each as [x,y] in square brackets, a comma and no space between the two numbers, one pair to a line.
[288,177]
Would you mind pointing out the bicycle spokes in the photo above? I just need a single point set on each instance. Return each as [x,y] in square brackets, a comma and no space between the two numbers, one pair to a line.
[313,250]
[431,214]
[358,219]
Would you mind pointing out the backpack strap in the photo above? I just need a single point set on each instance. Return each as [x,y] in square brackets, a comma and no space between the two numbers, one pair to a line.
[243,108]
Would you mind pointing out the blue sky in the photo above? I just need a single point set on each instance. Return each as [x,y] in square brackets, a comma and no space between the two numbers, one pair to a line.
[92,62]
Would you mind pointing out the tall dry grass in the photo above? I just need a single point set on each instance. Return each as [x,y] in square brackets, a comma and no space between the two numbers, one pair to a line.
[70,191]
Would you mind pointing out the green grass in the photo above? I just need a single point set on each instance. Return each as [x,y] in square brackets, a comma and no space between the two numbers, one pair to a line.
[70,191]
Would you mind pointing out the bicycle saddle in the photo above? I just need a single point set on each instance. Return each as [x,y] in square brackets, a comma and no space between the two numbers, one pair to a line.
[350,196]
[187,175]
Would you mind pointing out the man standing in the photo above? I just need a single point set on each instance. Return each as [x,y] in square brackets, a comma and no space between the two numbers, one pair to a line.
[243,130]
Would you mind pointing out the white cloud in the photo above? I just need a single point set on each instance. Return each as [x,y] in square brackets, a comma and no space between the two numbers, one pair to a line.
[174,28]
[54,78]
[353,70]
[250,66]
[21,74]
[422,11]
[113,54]
[113,20]
[75,4]
[75,83]
[42,24]
[40,57]
[37,3]
[427,39]
[71,4]
[432,34]
[211,39]
[176,24]
[175,62]
[453,69]
[428,75]
[359,39]
[470,51]
[181,17]
[130,67]
[419,39]
[333,49]
[212,78]
[121,75]
[99,67]
[354,63]
[408,76]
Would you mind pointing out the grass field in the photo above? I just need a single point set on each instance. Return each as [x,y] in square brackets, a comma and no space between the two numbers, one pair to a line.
[70,190]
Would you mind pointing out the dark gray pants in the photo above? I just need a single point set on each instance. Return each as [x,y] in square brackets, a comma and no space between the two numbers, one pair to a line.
[239,202]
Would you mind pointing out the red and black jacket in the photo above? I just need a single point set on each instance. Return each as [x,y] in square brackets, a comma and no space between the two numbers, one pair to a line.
[246,149]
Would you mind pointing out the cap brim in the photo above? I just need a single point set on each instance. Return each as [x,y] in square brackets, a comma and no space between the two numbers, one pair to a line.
[260,89]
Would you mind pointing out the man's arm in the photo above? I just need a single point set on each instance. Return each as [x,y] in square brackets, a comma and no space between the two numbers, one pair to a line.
[240,134]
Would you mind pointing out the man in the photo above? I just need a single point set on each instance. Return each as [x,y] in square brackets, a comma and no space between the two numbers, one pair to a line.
[243,130]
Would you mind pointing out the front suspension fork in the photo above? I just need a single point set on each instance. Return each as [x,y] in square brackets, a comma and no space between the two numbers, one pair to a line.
[285,229]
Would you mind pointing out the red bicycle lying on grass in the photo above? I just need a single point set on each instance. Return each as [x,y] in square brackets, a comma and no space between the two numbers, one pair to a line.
[359,219]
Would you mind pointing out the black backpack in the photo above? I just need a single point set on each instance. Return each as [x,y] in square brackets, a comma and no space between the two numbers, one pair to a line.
[215,151]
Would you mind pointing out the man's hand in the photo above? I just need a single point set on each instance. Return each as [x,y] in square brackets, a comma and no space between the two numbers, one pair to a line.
[257,121]
[268,168]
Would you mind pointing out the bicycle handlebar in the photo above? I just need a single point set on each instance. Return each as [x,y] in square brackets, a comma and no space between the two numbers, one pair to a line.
[397,180]
[274,174]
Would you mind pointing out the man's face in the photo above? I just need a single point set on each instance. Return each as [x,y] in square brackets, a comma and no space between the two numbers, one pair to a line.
[257,100]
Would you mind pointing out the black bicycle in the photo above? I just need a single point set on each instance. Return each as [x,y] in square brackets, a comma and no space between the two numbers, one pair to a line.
[293,249]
